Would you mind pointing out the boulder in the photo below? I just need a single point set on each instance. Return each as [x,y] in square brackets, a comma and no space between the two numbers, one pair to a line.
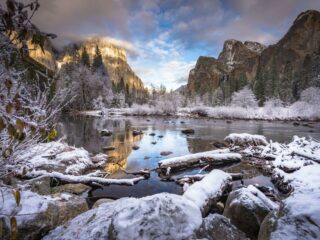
[36,215]
[102,201]
[41,186]
[160,216]
[165,153]
[216,226]
[188,131]
[246,208]
[77,188]
[135,147]
[106,133]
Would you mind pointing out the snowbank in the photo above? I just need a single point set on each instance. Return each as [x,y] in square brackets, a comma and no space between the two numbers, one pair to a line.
[211,157]
[245,139]
[209,189]
[296,164]
[160,216]
[60,157]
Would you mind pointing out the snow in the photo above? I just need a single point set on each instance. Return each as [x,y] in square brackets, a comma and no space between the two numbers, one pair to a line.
[223,155]
[86,179]
[300,214]
[31,204]
[251,196]
[160,216]
[240,139]
[59,156]
[211,187]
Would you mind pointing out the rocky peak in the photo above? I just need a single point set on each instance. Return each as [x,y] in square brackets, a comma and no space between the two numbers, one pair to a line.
[303,36]
[236,52]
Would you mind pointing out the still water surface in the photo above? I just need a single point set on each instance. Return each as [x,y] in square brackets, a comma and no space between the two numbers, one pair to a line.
[84,131]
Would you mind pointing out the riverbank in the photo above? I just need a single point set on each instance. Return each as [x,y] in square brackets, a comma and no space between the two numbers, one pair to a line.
[295,112]
[39,187]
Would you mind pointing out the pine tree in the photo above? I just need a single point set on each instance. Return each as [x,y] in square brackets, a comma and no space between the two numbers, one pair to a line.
[97,64]
[84,59]
[259,88]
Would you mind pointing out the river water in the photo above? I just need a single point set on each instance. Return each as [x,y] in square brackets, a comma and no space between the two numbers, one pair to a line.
[84,131]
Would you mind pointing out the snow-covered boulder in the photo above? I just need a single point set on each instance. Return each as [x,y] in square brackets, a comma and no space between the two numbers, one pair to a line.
[246,208]
[160,216]
[36,215]
[60,157]
[245,139]
[209,190]
[216,226]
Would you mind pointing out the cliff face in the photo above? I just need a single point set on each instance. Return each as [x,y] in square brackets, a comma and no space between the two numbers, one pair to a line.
[46,57]
[235,67]
[281,70]
[115,61]
[292,64]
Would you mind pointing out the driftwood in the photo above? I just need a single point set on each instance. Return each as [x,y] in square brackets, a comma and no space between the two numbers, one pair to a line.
[199,177]
[85,179]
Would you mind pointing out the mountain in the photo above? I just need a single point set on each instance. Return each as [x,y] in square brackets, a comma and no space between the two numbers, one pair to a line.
[115,61]
[281,70]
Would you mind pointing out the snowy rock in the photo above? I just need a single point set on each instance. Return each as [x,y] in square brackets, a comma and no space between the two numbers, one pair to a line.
[245,139]
[188,131]
[41,186]
[299,217]
[246,208]
[106,133]
[36,215]
[209,190]
[57,156]
[216,226]
[161,216]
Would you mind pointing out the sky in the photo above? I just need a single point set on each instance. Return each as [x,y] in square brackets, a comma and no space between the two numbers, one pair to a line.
[164,38]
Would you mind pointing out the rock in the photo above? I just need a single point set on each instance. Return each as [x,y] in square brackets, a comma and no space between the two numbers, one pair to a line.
[182,122]
[218,144]
[296,124]
[38,214]
[99,159]
[146,157]
[77,188]
[228,121]
[165,153]
[102,201]
[160,136]
[188,131]
[109,148]
[41,186]
[154,143]
[160,216]
[246,208]
[135,147]
[106,133]
[137,132]
[216,227]
[152,134]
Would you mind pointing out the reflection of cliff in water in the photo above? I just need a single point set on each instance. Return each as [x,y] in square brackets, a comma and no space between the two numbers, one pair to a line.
[84,131]
[123,143]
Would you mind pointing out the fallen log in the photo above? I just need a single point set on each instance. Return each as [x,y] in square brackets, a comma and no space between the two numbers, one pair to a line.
[307,156]
[85,179]
[215,157]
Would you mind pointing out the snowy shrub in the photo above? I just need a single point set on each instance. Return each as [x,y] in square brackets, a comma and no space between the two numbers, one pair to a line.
[311,95]
[244,98]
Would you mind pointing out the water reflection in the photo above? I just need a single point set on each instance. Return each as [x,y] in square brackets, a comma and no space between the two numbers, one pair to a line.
[84,131]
